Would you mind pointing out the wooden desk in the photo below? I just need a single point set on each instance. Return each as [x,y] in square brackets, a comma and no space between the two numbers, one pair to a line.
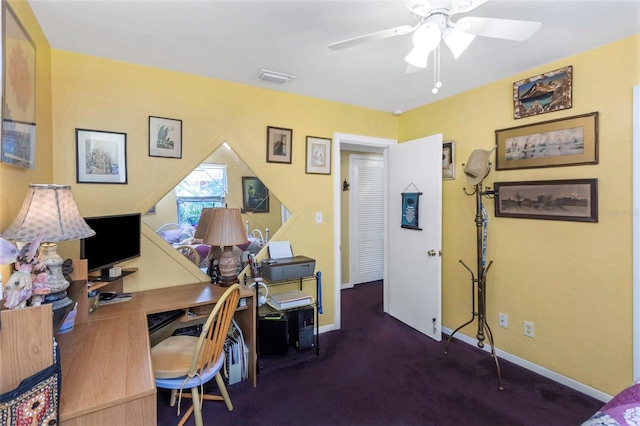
[107,377]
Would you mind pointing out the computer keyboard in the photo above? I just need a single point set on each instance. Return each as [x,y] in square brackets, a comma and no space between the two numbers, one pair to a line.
[159,320]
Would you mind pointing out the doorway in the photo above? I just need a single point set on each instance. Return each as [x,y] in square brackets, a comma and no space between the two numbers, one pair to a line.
[355,143]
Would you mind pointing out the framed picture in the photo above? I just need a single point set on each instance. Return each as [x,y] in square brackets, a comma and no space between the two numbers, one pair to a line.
[411,210]
[19,144]
[563,142]
[279,144]
[318,156]
[101,157]
[165,137]
[548,92]
[448,160]
[572,200]
[255,196]
[19,106]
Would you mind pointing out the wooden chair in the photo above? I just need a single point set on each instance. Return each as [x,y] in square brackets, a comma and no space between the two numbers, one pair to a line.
[190,253]
[189,362]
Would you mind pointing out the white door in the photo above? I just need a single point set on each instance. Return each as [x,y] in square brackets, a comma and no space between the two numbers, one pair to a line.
[366,218]
[412,260]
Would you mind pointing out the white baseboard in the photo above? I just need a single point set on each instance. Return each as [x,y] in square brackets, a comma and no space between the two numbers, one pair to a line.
[580,387]
[346,286]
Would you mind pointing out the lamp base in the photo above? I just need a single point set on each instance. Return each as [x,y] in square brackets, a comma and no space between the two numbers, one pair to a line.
[228,267]
[55,279]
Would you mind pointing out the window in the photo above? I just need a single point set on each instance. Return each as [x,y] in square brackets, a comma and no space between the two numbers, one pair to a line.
[205,186]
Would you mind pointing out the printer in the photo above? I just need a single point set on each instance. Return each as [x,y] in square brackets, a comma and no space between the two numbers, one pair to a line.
[288,268]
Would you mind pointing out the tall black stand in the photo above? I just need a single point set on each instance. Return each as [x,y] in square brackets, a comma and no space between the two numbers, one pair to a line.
[478,285]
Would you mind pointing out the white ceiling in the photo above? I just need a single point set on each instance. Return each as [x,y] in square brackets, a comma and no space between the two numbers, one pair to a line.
[233,40]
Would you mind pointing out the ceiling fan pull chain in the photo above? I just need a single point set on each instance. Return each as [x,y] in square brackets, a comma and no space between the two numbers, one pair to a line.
[436,70]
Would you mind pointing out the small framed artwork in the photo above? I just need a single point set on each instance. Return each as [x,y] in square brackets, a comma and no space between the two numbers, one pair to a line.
[18,137]
[411,210]
[571,200]
[255,196]
[547,92]
[318,156]
[19,144]
[101,157]
[165,137]
[448,160]
[279,144]
[563,142]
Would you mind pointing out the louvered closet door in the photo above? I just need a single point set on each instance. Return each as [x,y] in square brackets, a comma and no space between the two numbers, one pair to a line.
[366,219]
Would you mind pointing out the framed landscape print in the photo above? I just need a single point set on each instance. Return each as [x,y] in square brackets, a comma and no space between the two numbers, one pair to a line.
[165,137]
[571,200]
[101,157]
[563,142]
[279,145]
[318,156]
[19,144]
[548,92]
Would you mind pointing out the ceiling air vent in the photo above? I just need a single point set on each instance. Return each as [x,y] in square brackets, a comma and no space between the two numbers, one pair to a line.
[274,77]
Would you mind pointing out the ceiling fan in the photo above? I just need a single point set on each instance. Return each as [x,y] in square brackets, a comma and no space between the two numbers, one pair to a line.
[434,24]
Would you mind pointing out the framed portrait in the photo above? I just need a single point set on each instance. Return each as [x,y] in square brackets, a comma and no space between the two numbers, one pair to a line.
[101,157]
[547,92]
[19,106]
[279,144]
[411,210]
[571,200]
[448,160]
[255,196]
[318,156]
[165,137]
[19,144]
[563,142]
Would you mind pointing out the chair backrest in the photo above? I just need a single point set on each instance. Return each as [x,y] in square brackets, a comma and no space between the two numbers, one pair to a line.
[214,332]
[190,253]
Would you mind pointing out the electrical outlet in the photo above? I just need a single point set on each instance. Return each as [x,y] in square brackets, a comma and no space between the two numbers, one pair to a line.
[318,217]
[528,328]
[503,320]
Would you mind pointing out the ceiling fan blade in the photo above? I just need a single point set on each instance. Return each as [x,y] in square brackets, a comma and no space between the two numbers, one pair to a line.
[509,29]
[380,35]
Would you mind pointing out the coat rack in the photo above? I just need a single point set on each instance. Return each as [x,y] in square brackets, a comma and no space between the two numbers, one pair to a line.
[480,279]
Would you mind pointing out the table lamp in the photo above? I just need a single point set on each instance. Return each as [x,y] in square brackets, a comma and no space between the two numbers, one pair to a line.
[225,229]
[52,211]
[203,222]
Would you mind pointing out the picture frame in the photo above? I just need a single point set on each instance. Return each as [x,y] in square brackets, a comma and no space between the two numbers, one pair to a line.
[567,141]
[411,210]
[569,200]
[255,196]
[19,144]
[101,157]
[165,137]
[18,136]
[279,145]
[318,155]
[543,93]
[448,160]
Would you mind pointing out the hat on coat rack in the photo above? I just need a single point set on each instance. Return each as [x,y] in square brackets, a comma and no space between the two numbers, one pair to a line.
[478,165]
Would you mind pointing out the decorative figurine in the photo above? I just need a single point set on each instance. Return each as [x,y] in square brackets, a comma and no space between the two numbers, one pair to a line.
[19,287]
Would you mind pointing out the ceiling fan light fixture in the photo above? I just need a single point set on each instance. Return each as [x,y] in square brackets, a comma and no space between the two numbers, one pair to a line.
[457,40]
[427,36]
[418,57]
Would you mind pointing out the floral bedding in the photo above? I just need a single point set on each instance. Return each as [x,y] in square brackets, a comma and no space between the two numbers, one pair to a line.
[623,409]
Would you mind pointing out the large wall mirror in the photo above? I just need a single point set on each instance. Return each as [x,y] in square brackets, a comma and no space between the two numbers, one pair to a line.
[222,178]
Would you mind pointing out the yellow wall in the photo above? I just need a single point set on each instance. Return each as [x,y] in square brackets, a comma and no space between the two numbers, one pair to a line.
[100,94]
[573,280]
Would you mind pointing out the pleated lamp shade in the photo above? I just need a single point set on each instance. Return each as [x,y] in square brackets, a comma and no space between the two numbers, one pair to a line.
[203,222]
[50,210]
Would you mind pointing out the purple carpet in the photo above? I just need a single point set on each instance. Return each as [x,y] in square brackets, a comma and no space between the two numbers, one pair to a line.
[378,371]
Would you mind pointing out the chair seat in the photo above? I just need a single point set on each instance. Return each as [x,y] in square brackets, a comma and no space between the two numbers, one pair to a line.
[178,382]
[172,357]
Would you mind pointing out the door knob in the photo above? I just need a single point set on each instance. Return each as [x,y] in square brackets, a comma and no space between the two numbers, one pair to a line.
[432,252]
